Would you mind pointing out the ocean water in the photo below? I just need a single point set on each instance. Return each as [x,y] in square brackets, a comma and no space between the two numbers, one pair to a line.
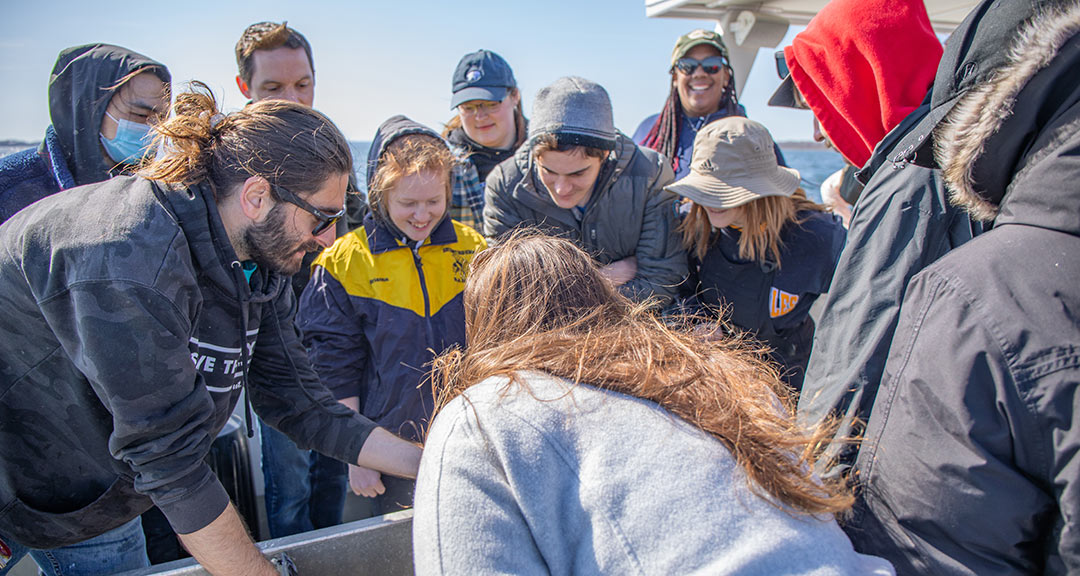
[813,164]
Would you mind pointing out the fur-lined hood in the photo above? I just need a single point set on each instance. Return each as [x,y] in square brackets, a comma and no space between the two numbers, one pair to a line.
[1009,148]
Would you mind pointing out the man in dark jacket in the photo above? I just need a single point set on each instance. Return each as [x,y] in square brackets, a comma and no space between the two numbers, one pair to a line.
[902,223]
[101,100]
[579,178]
[137,310]
[304,490]
[971,463]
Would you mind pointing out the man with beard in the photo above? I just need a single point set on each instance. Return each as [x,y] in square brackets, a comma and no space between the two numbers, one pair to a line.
[137,310]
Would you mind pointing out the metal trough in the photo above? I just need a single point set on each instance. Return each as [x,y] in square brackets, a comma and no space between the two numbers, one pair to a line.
[381,545]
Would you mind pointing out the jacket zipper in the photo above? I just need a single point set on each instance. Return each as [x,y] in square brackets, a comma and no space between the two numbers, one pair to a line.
[427,301]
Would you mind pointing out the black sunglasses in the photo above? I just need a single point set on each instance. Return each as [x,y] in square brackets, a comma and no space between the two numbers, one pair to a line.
[781,65]
[710,65]
[325,220]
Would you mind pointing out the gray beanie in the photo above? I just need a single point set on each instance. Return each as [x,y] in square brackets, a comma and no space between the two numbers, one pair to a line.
[577,111]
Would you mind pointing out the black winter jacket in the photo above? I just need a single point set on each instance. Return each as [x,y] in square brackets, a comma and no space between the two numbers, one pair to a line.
[902,223]
[971,462]
[126,337]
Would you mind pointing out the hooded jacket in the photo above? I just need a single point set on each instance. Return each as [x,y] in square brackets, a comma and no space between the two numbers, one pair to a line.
[862,66]
[902,223]
[82,83]
[628,214]
[380,306]
[971,463]
[129,333]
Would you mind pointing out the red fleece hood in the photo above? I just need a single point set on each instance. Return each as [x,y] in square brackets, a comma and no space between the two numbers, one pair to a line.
[862,66]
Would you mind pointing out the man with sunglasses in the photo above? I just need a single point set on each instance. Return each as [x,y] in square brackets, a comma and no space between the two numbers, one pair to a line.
[702,90]
[304,490]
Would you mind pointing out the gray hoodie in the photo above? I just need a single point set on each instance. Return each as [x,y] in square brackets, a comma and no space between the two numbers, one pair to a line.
[563,479]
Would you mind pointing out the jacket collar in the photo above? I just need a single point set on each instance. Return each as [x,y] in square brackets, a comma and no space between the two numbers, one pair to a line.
[1025,116]
[381,239]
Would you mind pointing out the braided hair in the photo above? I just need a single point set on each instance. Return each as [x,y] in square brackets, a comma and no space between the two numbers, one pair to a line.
[664,134]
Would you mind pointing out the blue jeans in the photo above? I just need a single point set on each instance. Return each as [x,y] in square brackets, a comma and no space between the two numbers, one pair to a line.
[304,489]
[118,550]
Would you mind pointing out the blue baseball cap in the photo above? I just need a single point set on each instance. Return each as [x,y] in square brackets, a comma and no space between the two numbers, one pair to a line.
[482,75]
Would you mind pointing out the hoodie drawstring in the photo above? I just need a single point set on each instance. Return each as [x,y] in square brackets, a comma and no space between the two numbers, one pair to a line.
[239,269]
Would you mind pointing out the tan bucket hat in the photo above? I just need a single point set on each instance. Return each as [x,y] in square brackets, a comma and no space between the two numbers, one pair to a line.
[734,162]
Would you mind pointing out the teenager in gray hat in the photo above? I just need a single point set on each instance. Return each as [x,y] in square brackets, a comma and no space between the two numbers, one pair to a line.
[760,252]
[579,178]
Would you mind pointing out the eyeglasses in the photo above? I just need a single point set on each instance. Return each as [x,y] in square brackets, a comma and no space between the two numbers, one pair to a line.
[710,65]
[475,107]
[325,220]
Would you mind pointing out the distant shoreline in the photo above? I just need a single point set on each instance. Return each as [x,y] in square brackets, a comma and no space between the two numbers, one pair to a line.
[795,145]
[801,145]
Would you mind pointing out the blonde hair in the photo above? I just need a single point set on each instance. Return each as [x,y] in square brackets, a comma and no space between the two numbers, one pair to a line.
[407,155]
[763,221]
[535,302]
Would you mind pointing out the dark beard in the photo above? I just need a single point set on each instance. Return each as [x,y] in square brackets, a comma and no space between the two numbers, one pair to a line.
[270,247]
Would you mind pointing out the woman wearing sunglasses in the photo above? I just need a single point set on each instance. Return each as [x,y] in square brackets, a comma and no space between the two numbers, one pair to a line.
[760,252]
[488,128]
[702,90]
[386,297]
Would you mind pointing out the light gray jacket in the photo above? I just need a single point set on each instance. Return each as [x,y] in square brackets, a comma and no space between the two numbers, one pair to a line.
[575,480]
[628,214]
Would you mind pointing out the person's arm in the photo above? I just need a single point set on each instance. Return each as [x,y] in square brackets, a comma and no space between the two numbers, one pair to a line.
[224,547]
[501,212]
[363,481]
[289,396]
[661,259]
[132,341]
[949,434]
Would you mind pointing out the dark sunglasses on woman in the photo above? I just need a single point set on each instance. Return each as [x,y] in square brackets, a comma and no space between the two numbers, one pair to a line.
[710,65]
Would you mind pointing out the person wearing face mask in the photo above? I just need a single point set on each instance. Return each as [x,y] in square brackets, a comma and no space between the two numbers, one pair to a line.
[760,252]
[387,297]
[489,128]
[102,99]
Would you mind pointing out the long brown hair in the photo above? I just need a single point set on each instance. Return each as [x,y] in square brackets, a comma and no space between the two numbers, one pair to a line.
[763,221]
[289,144]
[534,302]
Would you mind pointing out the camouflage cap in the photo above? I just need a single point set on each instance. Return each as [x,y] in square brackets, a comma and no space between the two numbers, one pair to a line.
[697,38]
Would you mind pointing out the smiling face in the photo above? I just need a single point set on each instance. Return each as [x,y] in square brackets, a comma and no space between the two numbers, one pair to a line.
[491,124]
[280,241]
[723,218]
[568,176]
[283,73]
[418,202]
[700,92]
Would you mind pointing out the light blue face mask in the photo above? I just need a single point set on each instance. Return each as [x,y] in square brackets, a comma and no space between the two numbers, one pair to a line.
[130,142]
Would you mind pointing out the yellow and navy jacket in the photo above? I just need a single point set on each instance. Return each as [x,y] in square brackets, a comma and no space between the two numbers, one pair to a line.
[377,310]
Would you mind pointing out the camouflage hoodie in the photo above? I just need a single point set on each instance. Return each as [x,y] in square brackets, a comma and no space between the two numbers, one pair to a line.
[123,349]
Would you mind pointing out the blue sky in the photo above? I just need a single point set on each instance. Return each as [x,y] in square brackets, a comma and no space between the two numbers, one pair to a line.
[374,59]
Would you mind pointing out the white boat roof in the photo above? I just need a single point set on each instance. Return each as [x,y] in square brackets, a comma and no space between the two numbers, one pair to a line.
[944,14]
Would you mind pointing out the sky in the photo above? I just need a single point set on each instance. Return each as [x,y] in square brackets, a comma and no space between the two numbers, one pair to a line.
[375,59]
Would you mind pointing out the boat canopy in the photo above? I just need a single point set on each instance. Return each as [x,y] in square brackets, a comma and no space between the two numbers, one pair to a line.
[750,25]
